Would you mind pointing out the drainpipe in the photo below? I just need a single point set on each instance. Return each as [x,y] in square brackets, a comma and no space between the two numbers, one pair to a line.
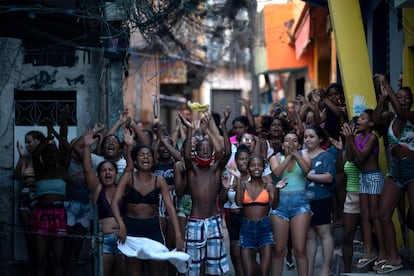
[255,93]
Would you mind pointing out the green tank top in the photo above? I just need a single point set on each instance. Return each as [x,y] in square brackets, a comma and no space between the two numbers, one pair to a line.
[352,174]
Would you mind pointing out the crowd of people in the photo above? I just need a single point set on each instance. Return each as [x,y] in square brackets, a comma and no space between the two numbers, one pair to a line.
[278,181]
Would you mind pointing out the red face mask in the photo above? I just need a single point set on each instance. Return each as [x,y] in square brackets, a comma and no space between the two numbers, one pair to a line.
[203,162]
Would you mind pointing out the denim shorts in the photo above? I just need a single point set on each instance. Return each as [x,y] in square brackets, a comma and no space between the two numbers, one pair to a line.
[110,243]
[78,212]
[255,234]
[402,171]
[292,204]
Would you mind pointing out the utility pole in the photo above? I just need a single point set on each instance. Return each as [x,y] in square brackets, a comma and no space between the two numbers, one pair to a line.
[255,93]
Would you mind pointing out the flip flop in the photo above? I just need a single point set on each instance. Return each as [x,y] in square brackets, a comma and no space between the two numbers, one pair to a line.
[378,264]
[387,268]
[363,262]
[290,265]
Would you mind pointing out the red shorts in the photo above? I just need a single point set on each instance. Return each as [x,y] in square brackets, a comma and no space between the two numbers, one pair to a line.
[49,220]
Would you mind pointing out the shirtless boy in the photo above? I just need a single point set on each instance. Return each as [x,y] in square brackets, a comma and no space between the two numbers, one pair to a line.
[203,237]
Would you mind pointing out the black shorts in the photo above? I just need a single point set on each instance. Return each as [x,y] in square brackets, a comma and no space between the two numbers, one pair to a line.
[321,209]
[144,228]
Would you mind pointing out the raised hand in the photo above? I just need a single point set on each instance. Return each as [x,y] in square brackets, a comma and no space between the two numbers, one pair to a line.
[89,137]
[316,95]
[282,183]
[234,171]
[245,103]
[98,127]
[380,81]
[128,136]
[20,148]
[124,115]
[347,130]
[226,115]
[337,143]
[184,121]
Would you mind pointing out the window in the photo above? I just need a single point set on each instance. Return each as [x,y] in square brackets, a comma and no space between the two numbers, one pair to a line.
[32,107]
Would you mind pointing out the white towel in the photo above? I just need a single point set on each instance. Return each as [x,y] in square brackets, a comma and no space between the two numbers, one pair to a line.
[147,249]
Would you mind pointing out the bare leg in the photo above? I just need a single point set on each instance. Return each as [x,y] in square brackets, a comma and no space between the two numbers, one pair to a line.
[311,246]
[410,212]
[249,261]
[58,245]
[280,233]
[289,257]
[120,264]
[134,266]
[366,226]
[235,254]
[158,268]
[299,226]
[327,242]
[265,259]
[73,247]
[374,209]
[108,264]
[350,223]
[41,250]
[391,194]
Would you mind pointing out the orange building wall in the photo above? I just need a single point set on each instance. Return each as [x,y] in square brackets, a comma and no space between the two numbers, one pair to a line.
[280,52]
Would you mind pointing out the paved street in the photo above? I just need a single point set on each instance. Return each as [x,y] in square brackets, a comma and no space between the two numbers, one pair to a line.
[337,264]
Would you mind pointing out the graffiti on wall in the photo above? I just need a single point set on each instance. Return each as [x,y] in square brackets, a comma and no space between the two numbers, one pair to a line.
[44,78]
[41,79]
[79,79]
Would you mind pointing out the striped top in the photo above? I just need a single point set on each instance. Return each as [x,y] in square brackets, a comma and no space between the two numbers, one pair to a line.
[352,174]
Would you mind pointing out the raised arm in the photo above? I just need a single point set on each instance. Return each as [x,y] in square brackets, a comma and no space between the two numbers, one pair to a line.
[188,163]
[402,113]
[239,189]
[179,178]
[340,161]
[92,180]
[123,117]
[249,114]
[226,139]
[176,154]
[379,116]
[79,144]
[65,150]
[213,132]
[21,163]
[144,139]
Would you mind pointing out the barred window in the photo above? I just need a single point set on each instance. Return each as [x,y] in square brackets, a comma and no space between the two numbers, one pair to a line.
[32,107]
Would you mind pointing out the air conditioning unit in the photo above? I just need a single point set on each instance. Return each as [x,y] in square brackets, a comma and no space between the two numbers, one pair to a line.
[115,11]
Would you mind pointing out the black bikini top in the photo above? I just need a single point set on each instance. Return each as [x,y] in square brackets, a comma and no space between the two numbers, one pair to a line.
[135,197]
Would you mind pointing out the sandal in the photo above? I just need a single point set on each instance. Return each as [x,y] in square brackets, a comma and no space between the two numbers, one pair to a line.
[365,261]
[378,264]
[290,265]
[387,268]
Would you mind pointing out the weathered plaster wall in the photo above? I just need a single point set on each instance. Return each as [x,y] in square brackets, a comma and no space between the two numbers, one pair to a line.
[98,95]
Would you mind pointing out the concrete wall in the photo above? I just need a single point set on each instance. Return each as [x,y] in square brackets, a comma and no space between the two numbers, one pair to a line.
[99,98]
